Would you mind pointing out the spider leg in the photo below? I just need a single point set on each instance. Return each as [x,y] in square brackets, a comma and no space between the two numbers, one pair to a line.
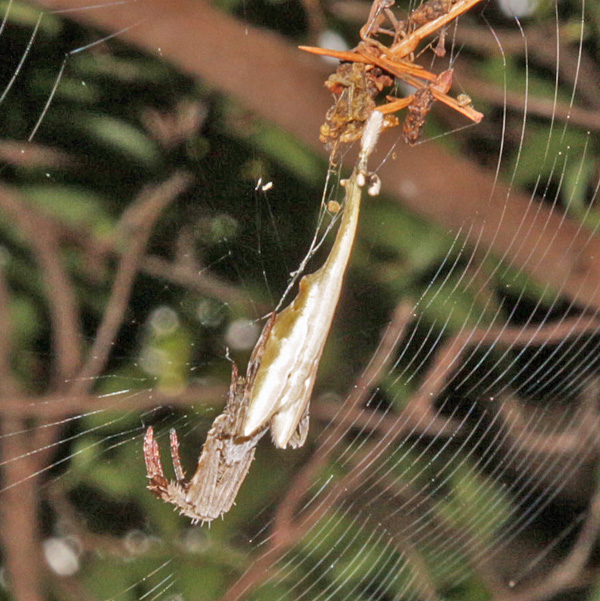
[154,469]
[175,457]
[152,455]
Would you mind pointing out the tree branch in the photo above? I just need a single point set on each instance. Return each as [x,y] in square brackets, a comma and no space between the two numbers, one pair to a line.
[63,306]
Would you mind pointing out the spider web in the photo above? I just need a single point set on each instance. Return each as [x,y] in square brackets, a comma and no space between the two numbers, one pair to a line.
[161,184]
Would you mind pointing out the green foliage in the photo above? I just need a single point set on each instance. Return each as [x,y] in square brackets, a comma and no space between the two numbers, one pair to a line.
[27,15]
[72,205]
[391,230]
[559,150]
[110,577]
[285,150]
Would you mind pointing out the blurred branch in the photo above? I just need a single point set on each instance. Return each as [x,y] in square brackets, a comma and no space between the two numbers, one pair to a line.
[21,549]
[203,282]
[418,417]
[18,510]
[58,407]
[576,439]
[568,573]
[27,154]
[8,385]
[451,355]
[533,105]
[540,45]
[25,453]
[179,272]
[136,223]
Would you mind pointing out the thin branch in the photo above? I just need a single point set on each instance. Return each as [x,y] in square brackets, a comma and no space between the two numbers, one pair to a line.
[450,355]
[57,407]
[536,106]
[178,272]
[412,418]
[138,220]
[391,492]
[203,282]
[420,409]
[576,68]
[27,154]
[8,385]
[521,436]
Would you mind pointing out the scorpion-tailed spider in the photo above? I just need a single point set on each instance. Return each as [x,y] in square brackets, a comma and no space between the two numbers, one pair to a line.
[275,393]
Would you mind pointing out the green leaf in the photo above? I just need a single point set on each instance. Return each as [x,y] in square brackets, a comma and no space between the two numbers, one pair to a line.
[546,152]
[70,204]
[27,15]
[517,282]
[201,581]
[109,577]
[119,69]
[69,89]
[452,306]
[284,149]
[391,229]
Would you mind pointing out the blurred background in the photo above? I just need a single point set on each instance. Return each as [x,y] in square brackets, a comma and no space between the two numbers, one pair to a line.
[161,180]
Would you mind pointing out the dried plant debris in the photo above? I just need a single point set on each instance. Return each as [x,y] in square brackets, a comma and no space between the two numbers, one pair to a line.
[418,110]
[357,88]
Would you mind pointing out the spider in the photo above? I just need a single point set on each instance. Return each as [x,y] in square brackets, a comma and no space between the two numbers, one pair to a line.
[223,464]
[226,455]
[380,62]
